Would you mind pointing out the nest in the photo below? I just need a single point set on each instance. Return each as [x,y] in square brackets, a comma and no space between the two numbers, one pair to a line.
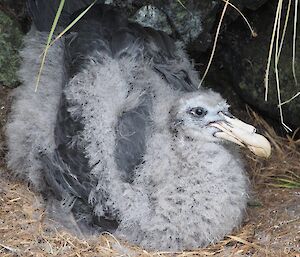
[271,226]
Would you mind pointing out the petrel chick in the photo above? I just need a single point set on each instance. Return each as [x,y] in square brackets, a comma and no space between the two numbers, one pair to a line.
[119,130]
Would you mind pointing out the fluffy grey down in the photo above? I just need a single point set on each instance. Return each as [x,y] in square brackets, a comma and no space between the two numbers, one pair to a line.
[30,129]
[188,190]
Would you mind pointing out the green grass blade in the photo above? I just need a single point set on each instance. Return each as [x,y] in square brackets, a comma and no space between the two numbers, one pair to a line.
[288,183]
[50,43]
[73,23]
[58,13]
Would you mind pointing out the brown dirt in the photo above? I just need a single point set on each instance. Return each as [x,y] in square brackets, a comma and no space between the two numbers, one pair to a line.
[271,226]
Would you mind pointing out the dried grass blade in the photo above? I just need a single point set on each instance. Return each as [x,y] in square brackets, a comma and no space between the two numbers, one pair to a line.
[276,60]
[285,26]
[289,100]
[271,51]
[243,241]
[180,2]
[294,41]
[253,33]
[13,250]
[215,42]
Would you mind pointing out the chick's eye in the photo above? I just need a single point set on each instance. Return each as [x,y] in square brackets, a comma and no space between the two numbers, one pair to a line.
[198,111]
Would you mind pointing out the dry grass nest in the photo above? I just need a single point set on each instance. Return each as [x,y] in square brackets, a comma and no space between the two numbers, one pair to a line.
[271,226]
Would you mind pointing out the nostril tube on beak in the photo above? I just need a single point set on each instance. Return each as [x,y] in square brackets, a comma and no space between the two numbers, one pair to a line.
[234,122]
[241,133]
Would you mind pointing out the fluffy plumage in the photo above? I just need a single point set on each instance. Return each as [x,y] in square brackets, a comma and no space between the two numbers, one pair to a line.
[112,126]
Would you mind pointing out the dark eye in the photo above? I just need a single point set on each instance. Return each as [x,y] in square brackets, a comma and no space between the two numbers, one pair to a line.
[198,111]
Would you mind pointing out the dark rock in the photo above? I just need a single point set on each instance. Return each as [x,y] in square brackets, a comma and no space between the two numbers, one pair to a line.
[191,21]
[16,10]
[10,41]
[151,16]
[244,61]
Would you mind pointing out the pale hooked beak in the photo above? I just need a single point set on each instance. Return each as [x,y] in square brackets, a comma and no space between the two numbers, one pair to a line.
[243,134]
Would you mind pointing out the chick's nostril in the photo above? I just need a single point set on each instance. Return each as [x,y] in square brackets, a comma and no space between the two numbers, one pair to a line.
[226,113]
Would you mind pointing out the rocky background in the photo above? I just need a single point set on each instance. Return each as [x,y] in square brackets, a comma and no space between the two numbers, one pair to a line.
[238,68]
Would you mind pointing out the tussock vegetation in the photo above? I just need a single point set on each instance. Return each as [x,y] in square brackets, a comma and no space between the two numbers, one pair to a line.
[283,168]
